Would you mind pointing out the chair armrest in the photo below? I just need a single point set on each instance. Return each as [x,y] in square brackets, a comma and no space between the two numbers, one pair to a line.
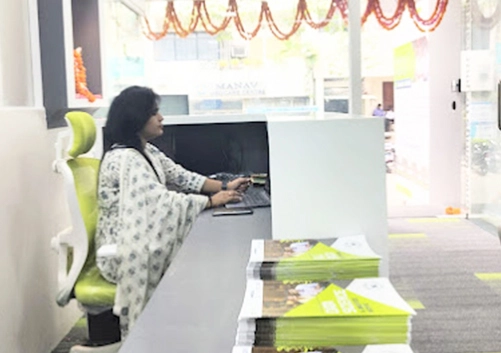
[107,251]
[74,237]
[67,279]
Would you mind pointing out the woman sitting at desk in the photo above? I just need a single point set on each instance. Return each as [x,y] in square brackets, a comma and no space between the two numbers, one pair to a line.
[137,211]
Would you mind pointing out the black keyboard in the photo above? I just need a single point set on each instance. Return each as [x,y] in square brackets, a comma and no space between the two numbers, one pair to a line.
[253,197]
[222,176]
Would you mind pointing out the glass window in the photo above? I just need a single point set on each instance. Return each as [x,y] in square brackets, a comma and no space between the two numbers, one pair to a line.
[198,46]
[207,47]
[185,48]
[165,48]
[224,73]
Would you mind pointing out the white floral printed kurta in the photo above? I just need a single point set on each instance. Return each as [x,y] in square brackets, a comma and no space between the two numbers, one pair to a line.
[148,228]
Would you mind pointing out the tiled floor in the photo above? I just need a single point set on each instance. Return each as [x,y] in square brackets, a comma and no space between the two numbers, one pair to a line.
[76,336]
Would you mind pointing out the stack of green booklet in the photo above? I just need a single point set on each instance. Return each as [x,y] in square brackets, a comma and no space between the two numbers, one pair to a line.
[380,348]
[323,314]
[313,260]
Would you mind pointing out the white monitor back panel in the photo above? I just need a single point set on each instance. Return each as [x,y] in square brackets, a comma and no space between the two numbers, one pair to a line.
[328,179]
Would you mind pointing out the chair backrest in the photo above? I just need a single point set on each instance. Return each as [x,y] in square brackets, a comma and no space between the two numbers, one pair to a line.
[85,172]
[84,133]
[80,178]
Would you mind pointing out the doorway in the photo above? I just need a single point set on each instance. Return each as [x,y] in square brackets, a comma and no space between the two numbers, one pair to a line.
[388,95]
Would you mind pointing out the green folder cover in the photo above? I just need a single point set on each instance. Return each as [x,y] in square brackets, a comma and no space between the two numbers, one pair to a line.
[338,258]
[250,349]
[382,348]
[323,314]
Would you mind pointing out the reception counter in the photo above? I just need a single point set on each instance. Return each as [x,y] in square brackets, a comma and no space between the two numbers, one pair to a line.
[196,305]
[327,170]
[327,180]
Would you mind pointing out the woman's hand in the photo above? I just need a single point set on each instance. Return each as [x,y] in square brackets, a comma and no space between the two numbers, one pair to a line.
[224,197]
[239,184]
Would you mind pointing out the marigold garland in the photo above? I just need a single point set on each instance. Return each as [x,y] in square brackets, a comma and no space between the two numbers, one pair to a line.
[81,76]
[200,15]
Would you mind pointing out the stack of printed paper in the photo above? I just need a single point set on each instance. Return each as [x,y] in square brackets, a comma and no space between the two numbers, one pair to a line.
[313,260]
[323,314]
[380,348]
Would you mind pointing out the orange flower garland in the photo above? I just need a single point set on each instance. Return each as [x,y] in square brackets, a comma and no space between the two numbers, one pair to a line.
[81,76]
[200,15]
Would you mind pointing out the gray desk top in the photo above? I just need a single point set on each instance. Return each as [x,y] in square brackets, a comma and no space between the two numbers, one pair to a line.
[196,305]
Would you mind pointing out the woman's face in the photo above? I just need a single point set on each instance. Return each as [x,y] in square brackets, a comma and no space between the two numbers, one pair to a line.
[153,127]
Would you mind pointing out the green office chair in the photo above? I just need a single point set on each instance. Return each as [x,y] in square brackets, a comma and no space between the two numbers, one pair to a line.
[78,275]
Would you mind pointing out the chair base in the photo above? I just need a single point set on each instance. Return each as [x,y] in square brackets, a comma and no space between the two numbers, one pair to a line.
[110,348]
[103,328]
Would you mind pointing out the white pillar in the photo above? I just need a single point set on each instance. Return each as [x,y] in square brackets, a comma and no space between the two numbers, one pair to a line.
[16,88]
[355,57]
[318,78]
[446,125]
[319,93]
[36,63]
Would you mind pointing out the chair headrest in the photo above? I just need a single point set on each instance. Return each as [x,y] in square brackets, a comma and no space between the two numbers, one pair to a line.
[83,132]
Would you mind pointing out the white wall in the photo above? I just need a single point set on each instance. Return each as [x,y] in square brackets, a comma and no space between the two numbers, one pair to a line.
[32,204]
[446,124]
[15,54]
[328,180]
[429,133]
[32,210]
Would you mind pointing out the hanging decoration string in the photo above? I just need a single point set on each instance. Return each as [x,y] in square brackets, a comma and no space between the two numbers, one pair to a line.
[200,15]
[435,19]
[388,23]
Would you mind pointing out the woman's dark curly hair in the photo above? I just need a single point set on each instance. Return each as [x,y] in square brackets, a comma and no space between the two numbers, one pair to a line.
[128,114]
